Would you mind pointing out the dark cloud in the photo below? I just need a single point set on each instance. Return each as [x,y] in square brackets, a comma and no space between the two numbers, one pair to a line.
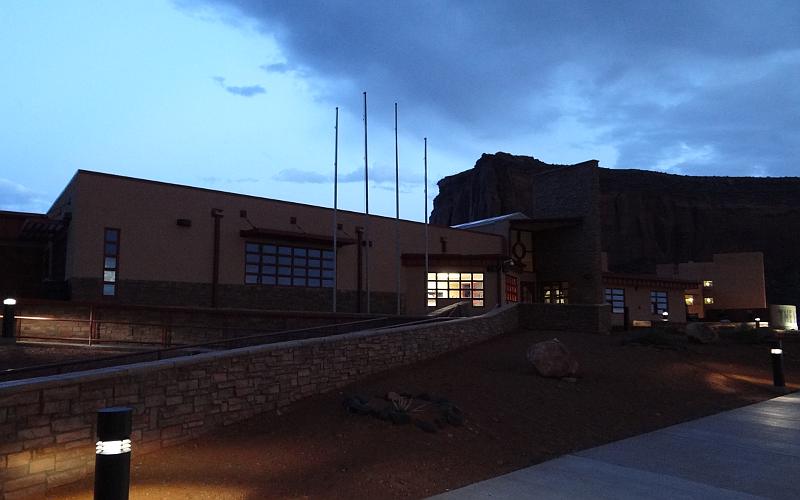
[228,180]
[302,176]
[248,91]
[276,68]
[691,86]
[381,176]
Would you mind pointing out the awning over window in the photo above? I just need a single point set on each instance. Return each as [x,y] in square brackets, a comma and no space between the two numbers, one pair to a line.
[289,236]
[439,259]
[648,280]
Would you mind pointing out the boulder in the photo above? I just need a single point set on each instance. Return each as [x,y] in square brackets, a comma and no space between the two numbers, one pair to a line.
[551,358]
[701,333]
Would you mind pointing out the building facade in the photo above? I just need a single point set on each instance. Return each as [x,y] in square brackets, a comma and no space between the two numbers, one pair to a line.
[134,241]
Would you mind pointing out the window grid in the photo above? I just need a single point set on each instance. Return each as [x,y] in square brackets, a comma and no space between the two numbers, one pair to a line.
[110,261]
[455,286]
[555,293]
[658,302]
[616,297]
[512,289]
[284,265]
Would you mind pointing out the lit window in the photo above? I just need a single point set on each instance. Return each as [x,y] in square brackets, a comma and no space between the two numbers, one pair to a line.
[658,302]
[616,297]
[708,300]
[287,266]
[110,261]
[455,286]
[555,293]
[688,299]
[512,289]
[708,283]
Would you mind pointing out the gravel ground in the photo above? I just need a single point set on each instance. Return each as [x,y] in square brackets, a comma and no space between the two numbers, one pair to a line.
[514,418]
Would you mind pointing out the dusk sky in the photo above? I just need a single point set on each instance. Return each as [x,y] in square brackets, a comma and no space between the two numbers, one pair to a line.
[239,95]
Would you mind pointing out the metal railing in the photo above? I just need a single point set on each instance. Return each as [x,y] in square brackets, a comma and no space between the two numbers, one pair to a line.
[268,337]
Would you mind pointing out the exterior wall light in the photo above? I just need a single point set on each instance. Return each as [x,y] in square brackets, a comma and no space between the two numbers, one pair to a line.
[112,466]
[9,317]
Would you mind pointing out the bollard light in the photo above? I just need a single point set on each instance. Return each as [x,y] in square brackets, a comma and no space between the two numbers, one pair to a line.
[112,466]
[665,316]
[777,365]
[9,317]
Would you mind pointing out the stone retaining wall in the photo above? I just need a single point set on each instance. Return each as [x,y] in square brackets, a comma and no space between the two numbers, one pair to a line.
[47,424]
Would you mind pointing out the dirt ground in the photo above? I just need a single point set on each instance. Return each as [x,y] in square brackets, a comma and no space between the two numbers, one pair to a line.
[514,418]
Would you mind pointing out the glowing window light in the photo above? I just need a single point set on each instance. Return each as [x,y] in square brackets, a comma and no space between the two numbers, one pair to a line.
[708,300]
[708,283]
[113,447]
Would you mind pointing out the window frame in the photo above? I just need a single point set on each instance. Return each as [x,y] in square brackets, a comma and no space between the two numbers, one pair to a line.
[555,292]
[445,286]
[109,287]
[282,264]
[512,289]
[656,297]
[612,299]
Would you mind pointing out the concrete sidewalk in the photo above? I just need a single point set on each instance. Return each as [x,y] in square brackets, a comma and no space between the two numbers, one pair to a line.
[749,452]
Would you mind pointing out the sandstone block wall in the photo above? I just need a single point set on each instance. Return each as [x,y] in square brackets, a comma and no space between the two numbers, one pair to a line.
[47,424]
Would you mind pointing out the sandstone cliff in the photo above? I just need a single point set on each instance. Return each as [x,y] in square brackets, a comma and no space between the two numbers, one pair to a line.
[650,217]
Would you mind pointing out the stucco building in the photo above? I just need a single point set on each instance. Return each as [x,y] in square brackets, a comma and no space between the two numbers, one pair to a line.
[133,241]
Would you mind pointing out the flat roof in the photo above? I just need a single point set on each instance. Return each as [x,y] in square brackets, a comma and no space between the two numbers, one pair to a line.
[250,196]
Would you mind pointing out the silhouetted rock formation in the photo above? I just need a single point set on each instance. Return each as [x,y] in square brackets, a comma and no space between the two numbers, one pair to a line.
[650,217]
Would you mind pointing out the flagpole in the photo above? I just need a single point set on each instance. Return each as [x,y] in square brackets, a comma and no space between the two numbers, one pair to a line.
[335,204]
[426,221]
[366,204]
[397,211]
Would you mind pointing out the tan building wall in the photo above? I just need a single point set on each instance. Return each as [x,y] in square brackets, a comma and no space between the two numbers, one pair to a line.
[737,281]
[638,289]
[154,248]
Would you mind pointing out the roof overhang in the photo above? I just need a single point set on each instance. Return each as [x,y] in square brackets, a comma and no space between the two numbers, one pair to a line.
[648,280]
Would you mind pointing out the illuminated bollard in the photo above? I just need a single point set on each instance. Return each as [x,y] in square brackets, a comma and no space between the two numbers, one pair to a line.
[9,318]
[112,466]
[777,365]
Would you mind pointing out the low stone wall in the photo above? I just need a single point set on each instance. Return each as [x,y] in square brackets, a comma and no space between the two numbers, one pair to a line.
[573,317]
[47,424]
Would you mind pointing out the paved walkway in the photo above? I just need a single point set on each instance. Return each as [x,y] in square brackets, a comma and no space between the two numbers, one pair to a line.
[750,452]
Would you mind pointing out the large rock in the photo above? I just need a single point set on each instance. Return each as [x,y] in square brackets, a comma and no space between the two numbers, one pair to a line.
[701,333]
[551,358]
[651,217]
